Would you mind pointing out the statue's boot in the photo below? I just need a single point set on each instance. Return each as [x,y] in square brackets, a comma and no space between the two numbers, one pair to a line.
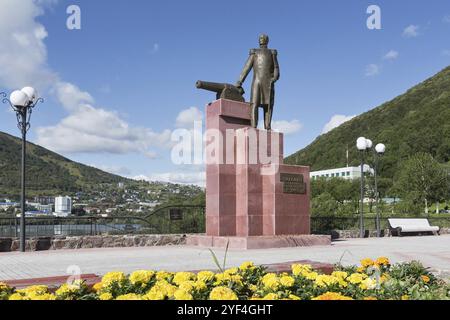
[268,117]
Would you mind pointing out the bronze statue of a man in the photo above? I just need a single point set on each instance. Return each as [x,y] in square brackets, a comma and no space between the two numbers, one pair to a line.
[266,72]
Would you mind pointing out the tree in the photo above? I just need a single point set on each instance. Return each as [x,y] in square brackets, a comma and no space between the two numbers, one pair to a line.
[423,180]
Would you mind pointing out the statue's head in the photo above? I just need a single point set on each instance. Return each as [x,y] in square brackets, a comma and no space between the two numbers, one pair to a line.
[264,40]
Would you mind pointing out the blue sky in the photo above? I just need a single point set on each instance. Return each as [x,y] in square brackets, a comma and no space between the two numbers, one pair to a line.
[115,89]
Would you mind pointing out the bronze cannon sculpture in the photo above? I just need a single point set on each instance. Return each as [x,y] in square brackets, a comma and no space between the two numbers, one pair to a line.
[223,90]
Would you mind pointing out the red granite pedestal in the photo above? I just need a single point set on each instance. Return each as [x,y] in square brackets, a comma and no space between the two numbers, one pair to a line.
[253,200]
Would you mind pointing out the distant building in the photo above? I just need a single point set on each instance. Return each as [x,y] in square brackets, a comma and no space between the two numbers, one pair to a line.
[8,204]
[44,200]
[63,206]
[47,208]
[348,173]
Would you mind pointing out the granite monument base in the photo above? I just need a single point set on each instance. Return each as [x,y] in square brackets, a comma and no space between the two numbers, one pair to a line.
[258,242]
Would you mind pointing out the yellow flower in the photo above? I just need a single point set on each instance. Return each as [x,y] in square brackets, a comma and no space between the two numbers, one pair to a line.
[129,297]
[41,297]
[361,270]
[287,281]
[271,296]
[222,293]
[35,290]
[384,277]
[370,298]
[356,278]
[154,295]
[181,294]
[300,269]
[382,261]
[165,288]
[405,297]
[247,266]
[205,276]
[332,296]
[426,279]
[141,277]
[97,287]
[115,277]
[368,284]
[232,271]
[68,289]
[181,277]
[163,275]
[200,286]
[367,262]
[253,288]
[187,285]
[325,280]
[106,296]
[17,296]
[222,278]
[294,297]
[271,281]
[311,275]
[340,274]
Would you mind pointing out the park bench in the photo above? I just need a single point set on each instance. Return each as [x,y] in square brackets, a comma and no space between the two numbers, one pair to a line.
[400,226]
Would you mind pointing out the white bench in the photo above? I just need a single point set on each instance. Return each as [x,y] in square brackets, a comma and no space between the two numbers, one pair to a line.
[399,226]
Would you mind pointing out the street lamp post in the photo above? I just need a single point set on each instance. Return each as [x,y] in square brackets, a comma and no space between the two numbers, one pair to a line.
[23,102]
[380,149]
[362,145]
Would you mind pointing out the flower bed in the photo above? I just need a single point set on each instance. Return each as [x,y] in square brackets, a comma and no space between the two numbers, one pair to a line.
[372,280]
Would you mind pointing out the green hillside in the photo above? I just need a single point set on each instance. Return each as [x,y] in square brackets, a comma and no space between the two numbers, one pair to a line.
[417,121]
[47,172]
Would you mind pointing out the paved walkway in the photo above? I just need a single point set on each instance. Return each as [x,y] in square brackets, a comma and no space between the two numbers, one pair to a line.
[433,252]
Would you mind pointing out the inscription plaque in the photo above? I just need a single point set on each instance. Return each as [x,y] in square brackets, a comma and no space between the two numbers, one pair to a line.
[293,183]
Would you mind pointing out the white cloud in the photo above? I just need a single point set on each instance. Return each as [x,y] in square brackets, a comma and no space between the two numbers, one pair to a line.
[411,31]
[391,55]
[71,97]
[186,118]
[23,61]
[372,70]
[23,54]
[94,130]
[195,178]
[446,19]
[287,127]
[446,53]
[336,121]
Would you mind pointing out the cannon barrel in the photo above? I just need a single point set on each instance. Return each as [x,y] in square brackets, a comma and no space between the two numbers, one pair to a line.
[223,90]
[211,86]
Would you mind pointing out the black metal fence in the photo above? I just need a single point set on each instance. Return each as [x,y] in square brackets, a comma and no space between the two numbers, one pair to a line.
[328,224]
[166,220]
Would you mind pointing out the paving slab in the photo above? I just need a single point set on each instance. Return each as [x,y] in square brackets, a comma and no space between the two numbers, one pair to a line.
[432,251]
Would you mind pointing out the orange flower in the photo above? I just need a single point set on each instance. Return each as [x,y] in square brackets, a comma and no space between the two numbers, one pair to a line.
[382,261]
[332,296]
[367,262]
[426,279]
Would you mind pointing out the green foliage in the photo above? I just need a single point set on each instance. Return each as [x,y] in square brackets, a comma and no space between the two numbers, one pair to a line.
[422,180]
[336,196]
[411,123]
